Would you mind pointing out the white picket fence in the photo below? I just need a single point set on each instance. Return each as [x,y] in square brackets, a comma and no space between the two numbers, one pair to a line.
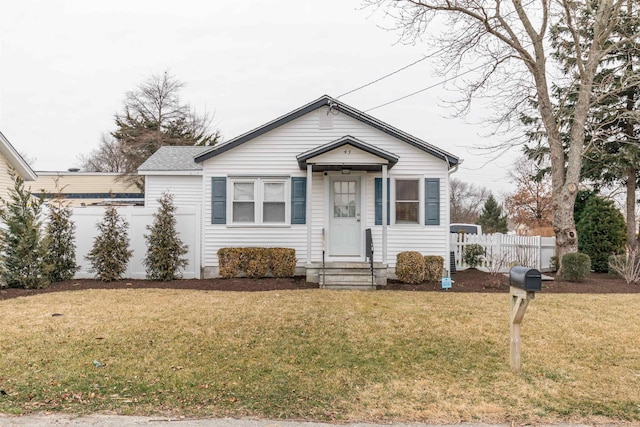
[187,225]
[502,251]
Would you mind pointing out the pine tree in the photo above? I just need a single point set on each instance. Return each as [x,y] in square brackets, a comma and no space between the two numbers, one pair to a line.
[601,232]
[491,218]
[61,241]
[23,248]
[164,247]
[110,253]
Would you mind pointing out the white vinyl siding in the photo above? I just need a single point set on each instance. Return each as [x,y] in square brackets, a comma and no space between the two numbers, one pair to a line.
[274,154]
[186,190]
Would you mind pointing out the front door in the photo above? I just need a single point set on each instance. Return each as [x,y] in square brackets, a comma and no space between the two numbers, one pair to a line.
[345,231]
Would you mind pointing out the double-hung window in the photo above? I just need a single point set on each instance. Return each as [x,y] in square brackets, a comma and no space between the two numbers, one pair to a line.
[259,200]
[407,201]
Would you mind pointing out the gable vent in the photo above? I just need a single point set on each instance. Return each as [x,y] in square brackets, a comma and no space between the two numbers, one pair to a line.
[325,119]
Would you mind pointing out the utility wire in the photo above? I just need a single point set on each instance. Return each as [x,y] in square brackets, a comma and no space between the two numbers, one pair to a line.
[391,73]
[426,88]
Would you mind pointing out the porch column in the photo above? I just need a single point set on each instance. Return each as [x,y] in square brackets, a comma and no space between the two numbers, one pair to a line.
[308,213]
[384,214]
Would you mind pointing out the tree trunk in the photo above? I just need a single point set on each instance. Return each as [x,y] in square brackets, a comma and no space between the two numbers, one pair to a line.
[564,223]
[632,240]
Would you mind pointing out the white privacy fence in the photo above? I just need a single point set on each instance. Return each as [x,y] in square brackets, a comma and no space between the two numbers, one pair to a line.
[187,225]
[502,251]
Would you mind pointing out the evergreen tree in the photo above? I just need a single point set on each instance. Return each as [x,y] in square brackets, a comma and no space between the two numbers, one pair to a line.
[23,248]
[491,218]
[601,232]
[110,253]
[61,241]
[164,247]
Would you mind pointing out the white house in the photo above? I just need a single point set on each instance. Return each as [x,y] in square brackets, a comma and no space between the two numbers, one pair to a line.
[314,180]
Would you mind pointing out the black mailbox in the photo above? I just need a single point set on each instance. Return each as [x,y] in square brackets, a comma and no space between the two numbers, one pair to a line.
[525,278]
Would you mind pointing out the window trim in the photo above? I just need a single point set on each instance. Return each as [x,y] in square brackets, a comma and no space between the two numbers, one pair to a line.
[393,200]
[258,208]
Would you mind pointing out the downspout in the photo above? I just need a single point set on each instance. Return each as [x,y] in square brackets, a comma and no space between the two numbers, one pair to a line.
[448,240]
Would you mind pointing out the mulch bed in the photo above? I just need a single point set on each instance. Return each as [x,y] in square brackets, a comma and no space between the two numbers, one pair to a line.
[470,280]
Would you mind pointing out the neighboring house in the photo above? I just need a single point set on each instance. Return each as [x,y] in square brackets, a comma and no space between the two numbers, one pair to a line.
[12,162]
[314,180]
[87,188]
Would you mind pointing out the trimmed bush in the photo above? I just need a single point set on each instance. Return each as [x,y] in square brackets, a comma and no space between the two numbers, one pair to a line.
[473,255]
[575,266]
[283,262]
[257,262]
[433,268]
[410,267]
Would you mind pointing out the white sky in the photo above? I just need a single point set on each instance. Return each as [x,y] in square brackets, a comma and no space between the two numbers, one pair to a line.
[65,66]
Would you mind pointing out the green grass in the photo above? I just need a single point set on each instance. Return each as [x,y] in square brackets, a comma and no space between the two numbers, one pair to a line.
[321,355]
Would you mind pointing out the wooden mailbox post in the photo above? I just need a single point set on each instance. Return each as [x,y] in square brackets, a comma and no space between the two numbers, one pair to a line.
[524,282]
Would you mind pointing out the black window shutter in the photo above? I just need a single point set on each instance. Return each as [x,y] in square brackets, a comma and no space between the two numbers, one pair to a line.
[218,200]
[298,200]
[432,201]
[378,200]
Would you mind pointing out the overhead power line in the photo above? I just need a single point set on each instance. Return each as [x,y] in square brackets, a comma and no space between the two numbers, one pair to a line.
[425,89]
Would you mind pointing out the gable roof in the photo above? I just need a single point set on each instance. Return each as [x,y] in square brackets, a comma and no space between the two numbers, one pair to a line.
[338,106]
[390,158]
[173,159]
[15,159]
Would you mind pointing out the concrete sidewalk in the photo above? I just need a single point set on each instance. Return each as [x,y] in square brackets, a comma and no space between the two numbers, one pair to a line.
[62,420]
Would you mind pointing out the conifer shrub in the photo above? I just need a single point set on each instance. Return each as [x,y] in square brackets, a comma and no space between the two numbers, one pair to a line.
[60,239]
[283,262]
[575,266]
[473,254]
[110,253]
[433,268]
[602,232]
[22,246]
[410,267]
[164,259]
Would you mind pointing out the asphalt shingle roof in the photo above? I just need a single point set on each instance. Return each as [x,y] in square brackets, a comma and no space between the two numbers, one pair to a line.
[174,158]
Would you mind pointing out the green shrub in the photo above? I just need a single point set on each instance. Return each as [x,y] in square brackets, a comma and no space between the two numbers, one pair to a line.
[410,267]
[575,266]
[164,259]
[433,268]
[257,262]
[473,255]
[601,232]
[283,262]
[110,253]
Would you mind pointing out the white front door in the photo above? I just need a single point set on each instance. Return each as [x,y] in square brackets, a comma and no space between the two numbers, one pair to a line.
[345,229]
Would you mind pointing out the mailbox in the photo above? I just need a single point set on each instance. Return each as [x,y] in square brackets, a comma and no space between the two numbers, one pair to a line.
[525,278]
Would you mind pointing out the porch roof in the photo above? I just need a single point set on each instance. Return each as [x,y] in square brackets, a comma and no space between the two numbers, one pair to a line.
[347,152]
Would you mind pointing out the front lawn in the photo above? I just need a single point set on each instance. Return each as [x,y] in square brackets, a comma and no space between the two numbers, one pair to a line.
[321,355]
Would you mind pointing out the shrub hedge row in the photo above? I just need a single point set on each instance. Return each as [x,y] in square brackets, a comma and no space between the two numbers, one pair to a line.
[412,267]
[257,262]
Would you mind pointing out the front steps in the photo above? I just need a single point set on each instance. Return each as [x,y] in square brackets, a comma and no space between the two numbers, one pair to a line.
[347,275]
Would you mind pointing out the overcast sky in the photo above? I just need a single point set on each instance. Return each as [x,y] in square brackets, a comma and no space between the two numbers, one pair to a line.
[65,66]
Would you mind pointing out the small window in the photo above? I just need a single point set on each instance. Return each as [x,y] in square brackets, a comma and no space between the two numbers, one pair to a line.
[407,206]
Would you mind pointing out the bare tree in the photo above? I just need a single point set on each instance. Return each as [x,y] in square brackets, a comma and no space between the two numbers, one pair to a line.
[511,39]
[108,157]
[153,115]
[530,204]
[465,201]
